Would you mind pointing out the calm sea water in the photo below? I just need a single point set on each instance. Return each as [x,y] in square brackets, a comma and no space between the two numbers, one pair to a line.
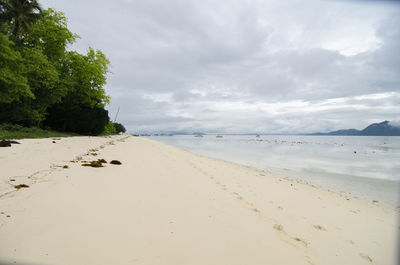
[359,166]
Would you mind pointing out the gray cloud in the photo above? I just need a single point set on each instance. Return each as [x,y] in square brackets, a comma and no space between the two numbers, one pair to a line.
[244,66]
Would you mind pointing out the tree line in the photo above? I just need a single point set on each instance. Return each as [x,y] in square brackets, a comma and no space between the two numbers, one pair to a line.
[44,84]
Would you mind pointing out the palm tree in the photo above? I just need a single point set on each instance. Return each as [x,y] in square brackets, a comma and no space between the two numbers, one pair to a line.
[19,14]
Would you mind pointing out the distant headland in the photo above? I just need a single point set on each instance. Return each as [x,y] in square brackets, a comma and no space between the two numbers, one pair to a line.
[375,129]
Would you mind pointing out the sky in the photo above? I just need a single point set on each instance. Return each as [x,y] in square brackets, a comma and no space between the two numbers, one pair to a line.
[241,66]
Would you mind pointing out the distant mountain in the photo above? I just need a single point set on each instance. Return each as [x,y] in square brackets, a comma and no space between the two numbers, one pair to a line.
[383,128]
[345,132]
[376,129]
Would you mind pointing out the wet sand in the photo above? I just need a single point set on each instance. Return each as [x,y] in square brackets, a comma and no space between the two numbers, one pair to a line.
[164,205]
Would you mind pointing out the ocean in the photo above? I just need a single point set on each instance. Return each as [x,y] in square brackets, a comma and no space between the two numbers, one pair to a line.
[365,167]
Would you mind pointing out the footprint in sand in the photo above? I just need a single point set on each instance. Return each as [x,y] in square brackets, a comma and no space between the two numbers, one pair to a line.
[318,227]
[304,242]
[250,204]
[239,198]
[308,259]
[279,228]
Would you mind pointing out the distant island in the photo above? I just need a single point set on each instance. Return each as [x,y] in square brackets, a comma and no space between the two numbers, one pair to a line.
[375,129]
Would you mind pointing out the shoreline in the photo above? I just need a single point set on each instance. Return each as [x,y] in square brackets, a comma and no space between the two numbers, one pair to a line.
[167,205]
[329,176]
[298,180]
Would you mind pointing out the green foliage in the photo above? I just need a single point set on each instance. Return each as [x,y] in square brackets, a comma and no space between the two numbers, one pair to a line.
[113,128]
[85,76]
[119,128]
[82,108]
[109,129]
[42,86]
[10,131]
[19,14]
[43,51]
[51,35]
[13,83]
[41,82]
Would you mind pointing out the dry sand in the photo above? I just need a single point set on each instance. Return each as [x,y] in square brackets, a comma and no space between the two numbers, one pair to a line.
[164,205]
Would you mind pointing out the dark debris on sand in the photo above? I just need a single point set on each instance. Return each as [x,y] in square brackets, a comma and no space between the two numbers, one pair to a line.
[7,143]
[93,164]
[21,186]
[100,162]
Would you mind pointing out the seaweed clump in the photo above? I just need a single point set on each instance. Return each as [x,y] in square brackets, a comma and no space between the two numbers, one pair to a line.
[98,163]
[93,164]
[21,186]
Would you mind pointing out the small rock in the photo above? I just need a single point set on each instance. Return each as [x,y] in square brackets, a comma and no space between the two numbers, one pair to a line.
[115,162]
[65,166]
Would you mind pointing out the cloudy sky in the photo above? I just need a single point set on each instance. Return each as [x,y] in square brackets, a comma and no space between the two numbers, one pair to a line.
[238,66]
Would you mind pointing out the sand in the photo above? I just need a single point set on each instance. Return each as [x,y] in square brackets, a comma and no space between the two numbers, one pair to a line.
[165,205]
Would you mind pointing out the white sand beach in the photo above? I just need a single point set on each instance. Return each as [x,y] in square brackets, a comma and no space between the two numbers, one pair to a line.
[165,205]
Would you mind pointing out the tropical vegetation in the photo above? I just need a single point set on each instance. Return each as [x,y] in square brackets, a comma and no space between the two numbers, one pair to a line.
[42,82]
[11,131]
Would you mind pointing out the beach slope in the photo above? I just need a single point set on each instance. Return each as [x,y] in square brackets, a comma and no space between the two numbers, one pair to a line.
[165,205]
